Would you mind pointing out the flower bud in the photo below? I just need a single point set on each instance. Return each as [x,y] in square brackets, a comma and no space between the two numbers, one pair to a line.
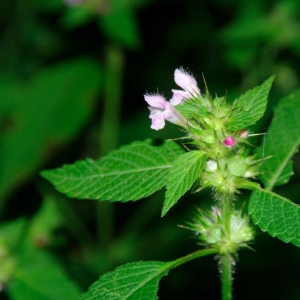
[243,133]
[211,166]
[229,142]
[208,226]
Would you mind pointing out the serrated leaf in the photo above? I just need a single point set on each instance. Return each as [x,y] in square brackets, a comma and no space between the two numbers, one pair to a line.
[185,170]
[254,102]
[136,281]
[239,120]
[130,173]
[281,142]
[275,214]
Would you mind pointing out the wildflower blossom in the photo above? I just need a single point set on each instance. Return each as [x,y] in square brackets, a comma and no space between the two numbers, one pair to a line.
[161,110]
[189,85]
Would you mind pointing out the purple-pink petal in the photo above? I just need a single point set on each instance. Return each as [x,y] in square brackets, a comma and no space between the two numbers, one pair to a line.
[158,119]
[155,101]
[186,81]
[179,96]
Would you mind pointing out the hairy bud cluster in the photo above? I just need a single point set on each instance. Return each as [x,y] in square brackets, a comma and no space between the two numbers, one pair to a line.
[209,228]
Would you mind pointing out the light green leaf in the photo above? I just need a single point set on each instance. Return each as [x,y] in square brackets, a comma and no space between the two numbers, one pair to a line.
[47,111]
[281,142]
[185,170]
[39,276]
[254,103]
[13,231]
[277,215]
[136,281]
[239,120]
[47,219]
[130,173]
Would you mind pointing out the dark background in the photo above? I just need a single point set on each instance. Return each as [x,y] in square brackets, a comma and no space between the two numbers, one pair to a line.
[72,79]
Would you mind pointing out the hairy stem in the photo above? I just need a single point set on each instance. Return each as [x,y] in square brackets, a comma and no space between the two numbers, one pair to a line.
[226,263]
[226,266]
[226,211]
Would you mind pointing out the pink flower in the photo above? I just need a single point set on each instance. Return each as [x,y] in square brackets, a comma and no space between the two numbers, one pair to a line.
[229,142]
[189,85]
[161,110]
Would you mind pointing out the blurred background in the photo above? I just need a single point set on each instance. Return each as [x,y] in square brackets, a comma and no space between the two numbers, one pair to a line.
[72,78]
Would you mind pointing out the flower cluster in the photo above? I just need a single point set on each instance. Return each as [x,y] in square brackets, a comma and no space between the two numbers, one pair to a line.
[205,121]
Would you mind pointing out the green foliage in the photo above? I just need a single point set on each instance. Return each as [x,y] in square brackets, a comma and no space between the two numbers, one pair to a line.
[45,221]
[130,173]
[120,25]
[250,107]
[30,272]
[138,280]
[282,141]
[276,215]
[185,170]
[39,276]
[75,17]
[46,111]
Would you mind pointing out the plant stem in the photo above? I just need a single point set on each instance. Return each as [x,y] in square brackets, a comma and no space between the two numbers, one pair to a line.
[226,263]
[194,255]
[226,213]
[114,61]
[226,276]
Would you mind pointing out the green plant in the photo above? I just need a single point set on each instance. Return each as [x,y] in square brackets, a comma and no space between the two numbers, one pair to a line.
[215,152]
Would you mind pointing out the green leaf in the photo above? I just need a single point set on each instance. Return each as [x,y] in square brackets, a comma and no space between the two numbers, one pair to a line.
[130,173]
[39,276]
[185,170]
[120,25]
[239,120]
[47,111]
[136,281]
[250,107]
[76,17]
[11,232]
[275,214]
[46,220]
[281,142]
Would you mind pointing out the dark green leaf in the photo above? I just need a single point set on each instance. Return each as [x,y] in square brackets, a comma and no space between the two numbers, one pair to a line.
[281,142]
[130,173]
[185,170]
[39,276]
[251,106]
[47,111]
[136,281]
[275,214]
[120,25]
